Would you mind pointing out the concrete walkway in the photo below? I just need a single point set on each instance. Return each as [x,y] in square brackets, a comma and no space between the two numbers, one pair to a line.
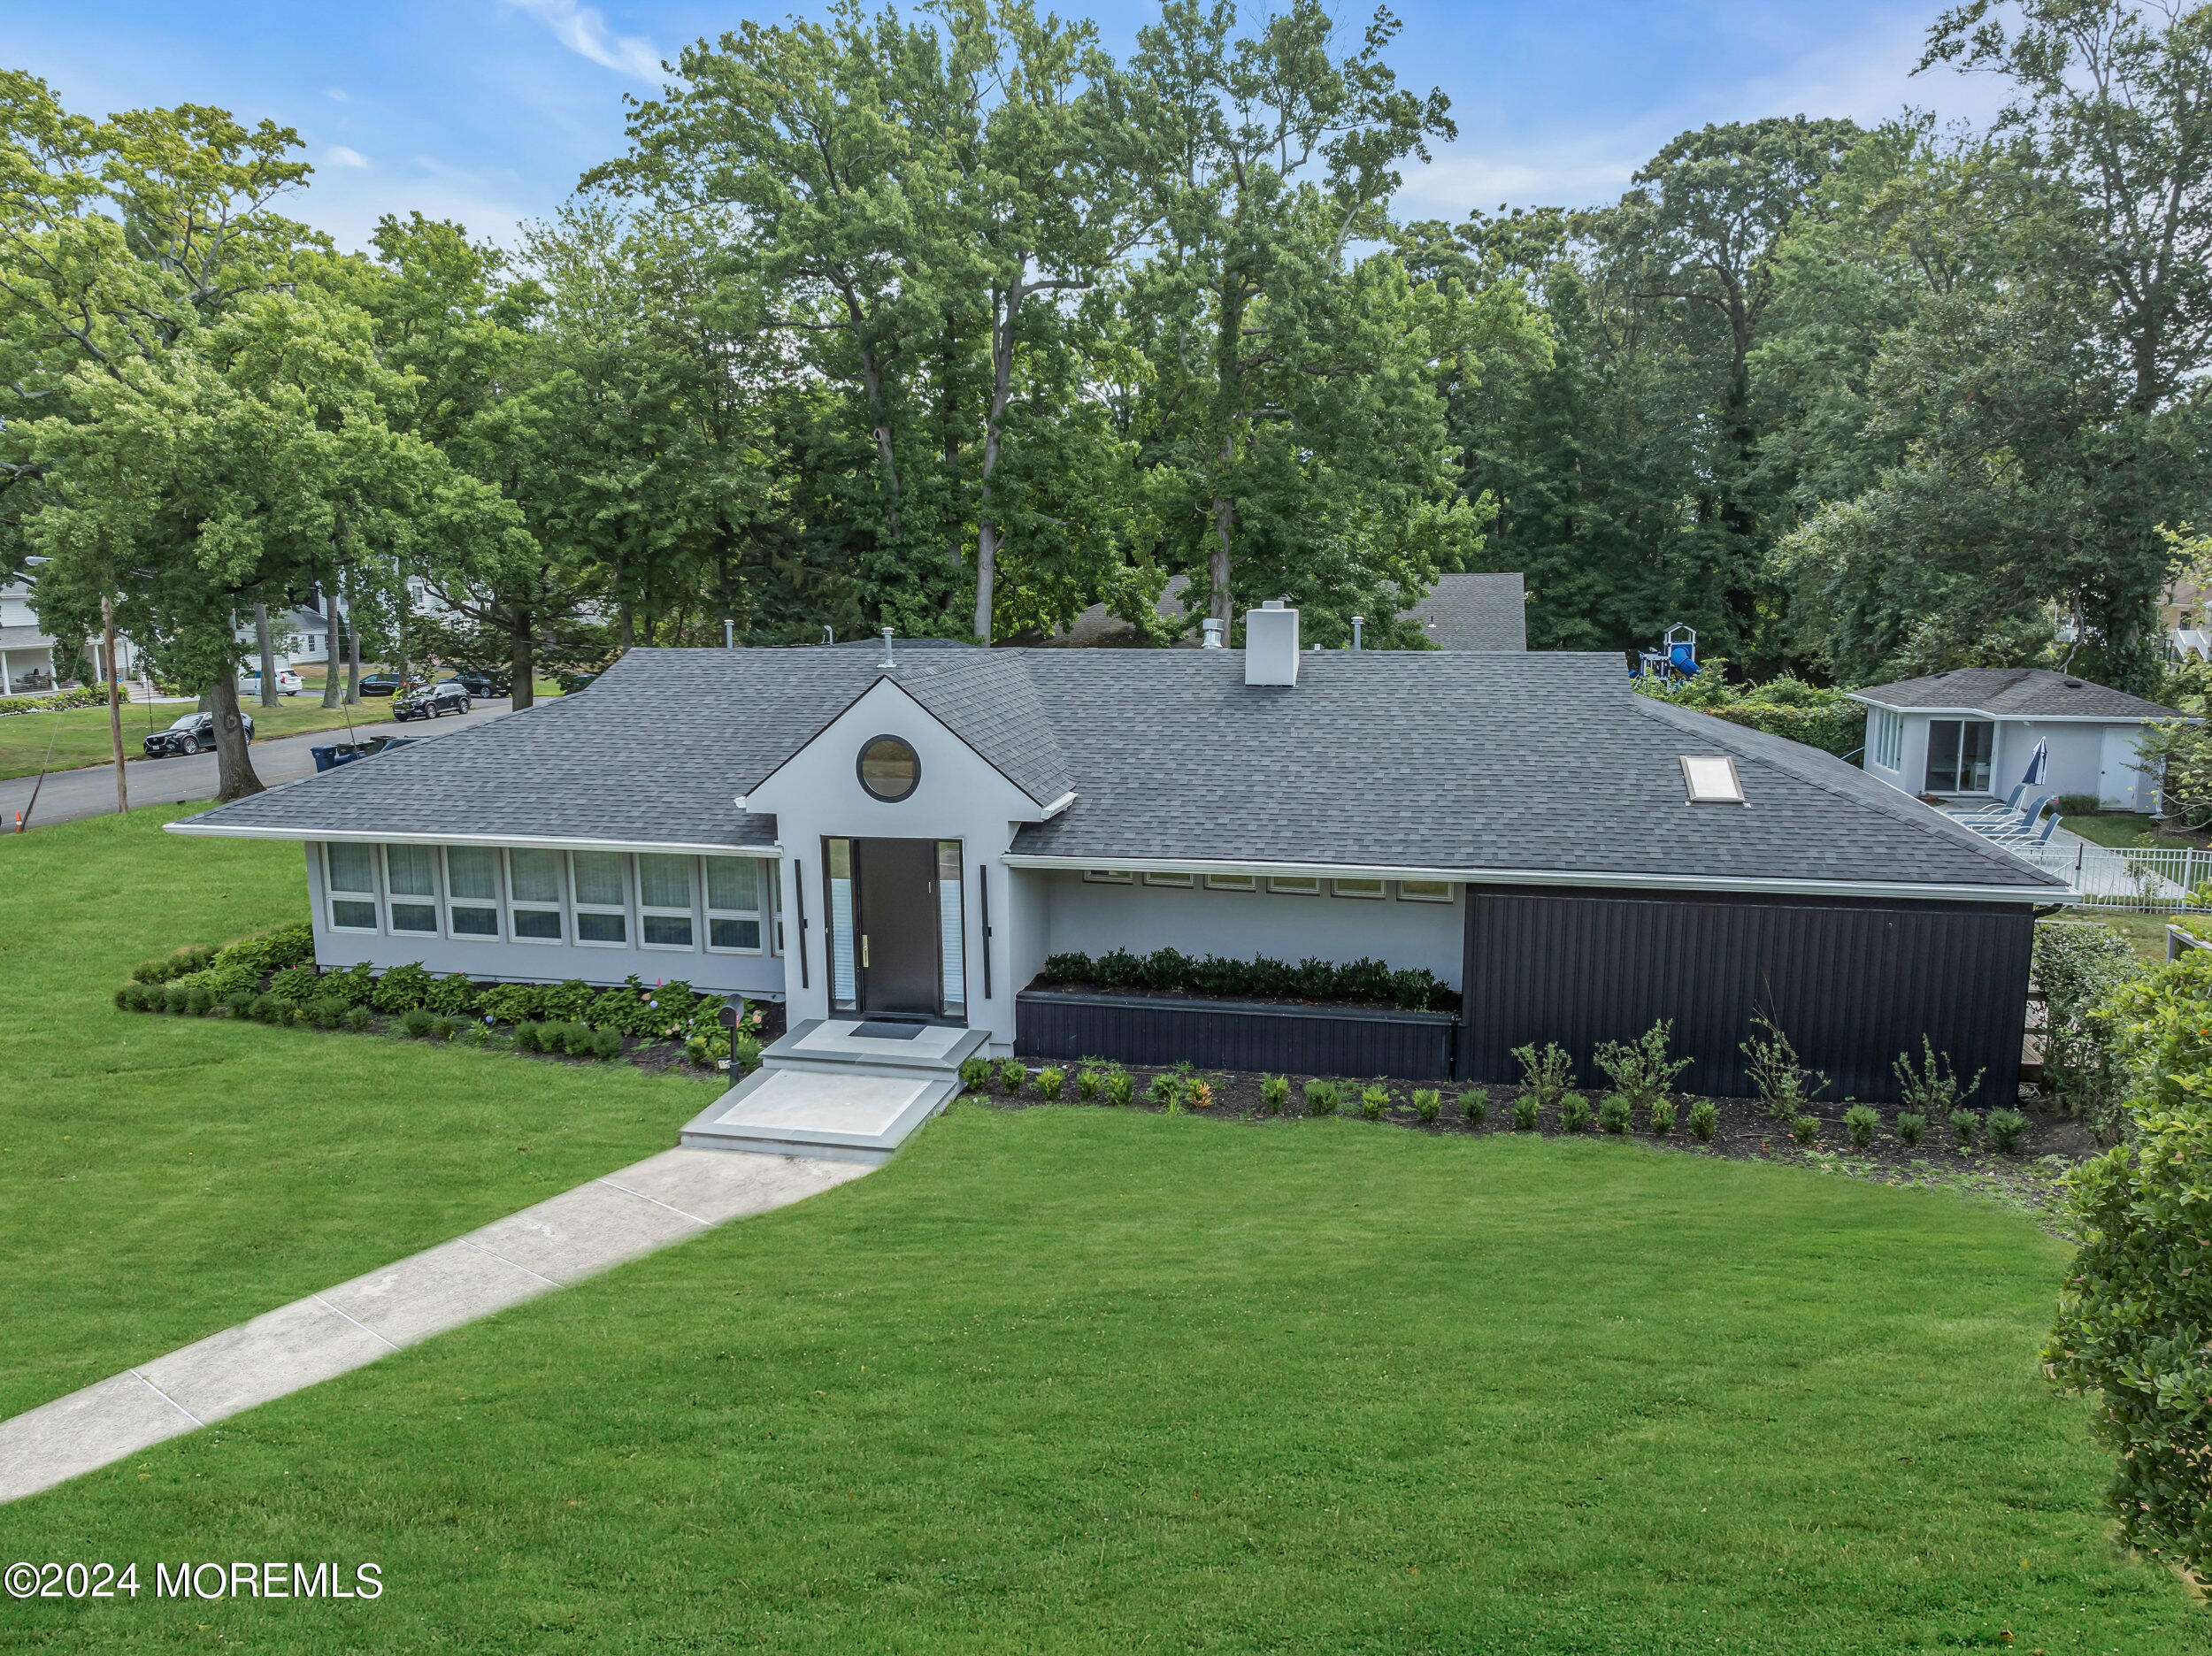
[666,1199]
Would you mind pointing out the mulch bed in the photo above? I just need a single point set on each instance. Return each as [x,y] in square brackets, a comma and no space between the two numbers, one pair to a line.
[2050,1144]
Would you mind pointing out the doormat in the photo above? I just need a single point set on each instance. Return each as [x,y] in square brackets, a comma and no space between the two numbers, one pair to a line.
[872,1030]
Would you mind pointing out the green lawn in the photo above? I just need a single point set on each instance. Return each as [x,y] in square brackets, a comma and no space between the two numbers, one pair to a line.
[1064,1379]
[83,737]
[2110,828]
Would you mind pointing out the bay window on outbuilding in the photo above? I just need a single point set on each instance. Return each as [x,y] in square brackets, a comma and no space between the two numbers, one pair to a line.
[602,897]
[534,896]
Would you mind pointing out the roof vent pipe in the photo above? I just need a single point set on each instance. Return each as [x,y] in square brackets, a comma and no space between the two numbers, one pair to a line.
[1270,644]
[1211,628]
[1356,624]
[887,647]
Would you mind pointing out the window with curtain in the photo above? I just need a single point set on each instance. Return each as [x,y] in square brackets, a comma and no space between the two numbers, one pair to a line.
[350,870]
[472,889]
[603,896]
[534,893]
[734,905]
[410,885]
[664,901]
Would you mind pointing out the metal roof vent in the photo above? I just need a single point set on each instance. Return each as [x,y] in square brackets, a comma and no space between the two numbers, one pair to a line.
[1270,644]
[2073,684]
[887,647]
[1211,628]
[1711,779]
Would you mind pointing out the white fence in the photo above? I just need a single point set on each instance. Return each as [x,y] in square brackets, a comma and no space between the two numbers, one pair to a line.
[2139,878]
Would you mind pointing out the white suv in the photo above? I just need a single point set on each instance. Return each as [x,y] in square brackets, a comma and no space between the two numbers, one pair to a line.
[288,683]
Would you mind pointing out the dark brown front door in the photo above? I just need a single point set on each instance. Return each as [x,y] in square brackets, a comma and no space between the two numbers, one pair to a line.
[897,923]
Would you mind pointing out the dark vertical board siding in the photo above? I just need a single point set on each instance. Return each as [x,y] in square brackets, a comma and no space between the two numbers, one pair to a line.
[1853,985]
[1142,1030]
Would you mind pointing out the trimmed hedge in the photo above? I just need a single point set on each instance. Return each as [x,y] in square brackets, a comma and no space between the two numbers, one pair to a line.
[1414,989]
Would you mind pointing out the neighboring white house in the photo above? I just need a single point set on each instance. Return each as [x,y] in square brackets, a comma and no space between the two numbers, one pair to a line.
[909,832]
[1971,732]
[27,651]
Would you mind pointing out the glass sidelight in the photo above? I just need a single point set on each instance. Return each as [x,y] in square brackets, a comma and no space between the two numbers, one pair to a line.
[844,985]
[951,975]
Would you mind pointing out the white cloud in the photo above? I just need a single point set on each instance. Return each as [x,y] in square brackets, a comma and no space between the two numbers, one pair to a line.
[583,30]
[338,155]
[336,95]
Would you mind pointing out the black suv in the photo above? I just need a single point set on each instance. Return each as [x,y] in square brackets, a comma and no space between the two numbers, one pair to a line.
[484,687]
[449,697]
[192,733]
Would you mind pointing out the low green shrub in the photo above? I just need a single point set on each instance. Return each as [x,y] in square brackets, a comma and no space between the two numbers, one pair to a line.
[1373,1101]
[1088,1082]
[744,1055]
[1704,1121]
[580,1040]
[357,1018]
[1013,1075]
[1859,1123]
[1909,1126]
[239,1003]
[1165,1090]
[299,985]
[1415,989]
[1641,1070]
[1321,1098]
[1933,1088]
[1274,1094]
[566,1002]
[1049,1081]
[402,989]
[1547,1074]
[527,1033]
[453,996]
[1524,1113]
[269,951]
[265,1008]
[326,1011]
[1806,1130]
[443,1028]
[606,1043]
[191,958]
[1663,1118]
[1616,1114]
[355,986]
[2005,1128]
[514,1003]
[1474,1104]
[1779,1076]
[129,997]
[176,998]
[975,1073]
[1121,1089]
[198,1000]
[417,1022]
[1428,1103]
[1574,1113]
[1965,1124]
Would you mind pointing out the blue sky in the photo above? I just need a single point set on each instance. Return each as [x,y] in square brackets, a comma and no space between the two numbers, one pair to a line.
[487,111]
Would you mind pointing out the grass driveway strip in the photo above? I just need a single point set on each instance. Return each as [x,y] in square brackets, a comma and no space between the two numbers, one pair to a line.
[1082,1380]
[164,1177]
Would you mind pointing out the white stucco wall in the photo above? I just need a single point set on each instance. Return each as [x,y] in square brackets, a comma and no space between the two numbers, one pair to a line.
[503,961]
[1087,917]
[2083,757]
[817,793]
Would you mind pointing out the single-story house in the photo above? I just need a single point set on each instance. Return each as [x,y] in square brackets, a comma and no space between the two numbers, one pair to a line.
[908,830]
[27,650]
[1972,731]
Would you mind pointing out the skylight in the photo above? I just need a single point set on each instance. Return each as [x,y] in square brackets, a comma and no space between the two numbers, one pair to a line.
[1711,779]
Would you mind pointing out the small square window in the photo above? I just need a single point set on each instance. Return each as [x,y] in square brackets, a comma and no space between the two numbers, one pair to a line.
[1231,882]
[1108,876]
[1294,886]
[1424,891]
[1356,887]
[1181,882]
[408,917]
[469,922]
[593,927]
[350,914]
[742,935]
[665,930]
[538,925]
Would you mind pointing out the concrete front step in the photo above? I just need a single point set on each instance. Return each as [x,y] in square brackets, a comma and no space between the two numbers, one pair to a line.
[827,1092]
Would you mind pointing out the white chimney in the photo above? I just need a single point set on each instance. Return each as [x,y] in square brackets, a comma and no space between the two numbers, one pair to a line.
[1211,628]
[1270,644]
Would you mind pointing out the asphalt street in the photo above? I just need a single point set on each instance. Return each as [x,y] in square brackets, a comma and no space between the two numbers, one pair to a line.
[69,794]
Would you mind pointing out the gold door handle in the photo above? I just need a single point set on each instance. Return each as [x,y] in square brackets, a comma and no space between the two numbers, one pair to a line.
[863,948]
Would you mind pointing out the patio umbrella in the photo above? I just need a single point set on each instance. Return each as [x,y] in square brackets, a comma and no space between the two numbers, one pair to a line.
[2039,762]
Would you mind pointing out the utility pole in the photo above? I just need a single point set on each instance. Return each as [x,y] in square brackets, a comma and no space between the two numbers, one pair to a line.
[115,706]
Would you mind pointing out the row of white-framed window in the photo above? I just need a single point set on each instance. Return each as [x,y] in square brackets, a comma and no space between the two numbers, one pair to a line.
[1886,739]
[1285,885]
[596,899]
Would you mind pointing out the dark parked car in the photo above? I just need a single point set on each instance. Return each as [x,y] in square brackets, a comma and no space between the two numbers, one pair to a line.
[192,733]
[381,684]
[484,687]
[450,697]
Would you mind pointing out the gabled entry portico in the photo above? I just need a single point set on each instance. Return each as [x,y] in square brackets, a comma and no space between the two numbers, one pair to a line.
[897,942]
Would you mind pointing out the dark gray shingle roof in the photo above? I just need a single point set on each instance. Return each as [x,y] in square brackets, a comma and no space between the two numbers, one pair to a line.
[2015,692]
[1486,762]
[1475,613]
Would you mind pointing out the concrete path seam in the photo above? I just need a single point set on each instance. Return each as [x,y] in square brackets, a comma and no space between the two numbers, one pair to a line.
[656,1203]
[357,1322]
[503,1260]
[165,1398]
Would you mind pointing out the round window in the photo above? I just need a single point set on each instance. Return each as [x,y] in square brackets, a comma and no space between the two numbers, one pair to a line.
[890,768]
